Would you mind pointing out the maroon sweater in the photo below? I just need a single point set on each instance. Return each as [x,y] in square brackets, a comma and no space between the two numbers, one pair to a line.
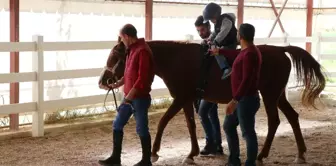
[245,72]
[139,69]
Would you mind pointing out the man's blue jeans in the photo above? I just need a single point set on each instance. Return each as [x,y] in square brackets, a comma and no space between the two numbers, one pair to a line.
[140,111]
[244,115]
[208,113]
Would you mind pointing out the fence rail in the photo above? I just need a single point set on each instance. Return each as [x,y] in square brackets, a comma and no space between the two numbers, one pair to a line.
[38,76]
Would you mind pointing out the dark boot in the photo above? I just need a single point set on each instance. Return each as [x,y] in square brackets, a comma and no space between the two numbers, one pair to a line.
[146,152]
[220,150]
[114,159]
[208,149]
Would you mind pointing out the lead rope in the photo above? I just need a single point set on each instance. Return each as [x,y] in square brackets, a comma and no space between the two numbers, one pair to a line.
[114,96]
[107,82]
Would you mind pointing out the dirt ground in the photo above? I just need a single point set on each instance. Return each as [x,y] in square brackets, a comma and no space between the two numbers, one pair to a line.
[86,147]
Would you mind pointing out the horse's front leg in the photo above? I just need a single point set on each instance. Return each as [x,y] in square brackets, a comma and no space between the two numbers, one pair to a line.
[190,118]
[170,113]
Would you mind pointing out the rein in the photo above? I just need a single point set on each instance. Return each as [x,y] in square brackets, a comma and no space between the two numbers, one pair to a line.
[109,81]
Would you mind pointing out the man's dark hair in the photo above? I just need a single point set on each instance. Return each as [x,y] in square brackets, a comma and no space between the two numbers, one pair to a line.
[199,22]
[129,30]
[246,32]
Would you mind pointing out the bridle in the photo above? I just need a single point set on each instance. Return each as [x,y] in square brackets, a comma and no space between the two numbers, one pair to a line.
[111,81]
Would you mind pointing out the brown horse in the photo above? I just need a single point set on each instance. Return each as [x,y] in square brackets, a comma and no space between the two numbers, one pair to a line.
[179,65]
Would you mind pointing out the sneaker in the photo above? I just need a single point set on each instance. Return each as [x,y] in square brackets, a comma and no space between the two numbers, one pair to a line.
[219,150]
[208,149]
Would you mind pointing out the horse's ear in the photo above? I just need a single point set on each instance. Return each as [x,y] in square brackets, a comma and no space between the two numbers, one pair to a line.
[121,44]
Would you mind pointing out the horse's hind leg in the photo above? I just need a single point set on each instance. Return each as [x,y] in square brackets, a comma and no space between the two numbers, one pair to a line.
[170,113]
[270,102]
[190,118]
[293,118]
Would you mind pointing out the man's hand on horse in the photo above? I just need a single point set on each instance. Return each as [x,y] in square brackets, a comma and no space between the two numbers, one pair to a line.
[214,51]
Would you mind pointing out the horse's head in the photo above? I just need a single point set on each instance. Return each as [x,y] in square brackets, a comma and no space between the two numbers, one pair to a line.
[115,65]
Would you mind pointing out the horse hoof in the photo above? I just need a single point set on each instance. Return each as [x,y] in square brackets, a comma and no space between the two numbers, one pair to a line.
[188,161]
[299,160]
[154,158]
[259,163]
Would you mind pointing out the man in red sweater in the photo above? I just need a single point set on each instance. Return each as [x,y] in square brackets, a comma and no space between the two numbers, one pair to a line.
[137,81]
[246,102]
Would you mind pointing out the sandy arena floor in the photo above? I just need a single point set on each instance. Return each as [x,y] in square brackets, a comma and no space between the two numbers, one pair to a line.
[86,147]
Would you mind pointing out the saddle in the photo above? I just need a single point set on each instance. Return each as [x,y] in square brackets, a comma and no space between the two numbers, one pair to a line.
[204,73]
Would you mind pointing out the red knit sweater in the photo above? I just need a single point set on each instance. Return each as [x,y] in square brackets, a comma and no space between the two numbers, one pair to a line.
[139,69]
[245,72]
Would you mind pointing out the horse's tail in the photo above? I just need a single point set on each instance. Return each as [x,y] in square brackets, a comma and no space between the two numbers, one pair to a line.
[309,72]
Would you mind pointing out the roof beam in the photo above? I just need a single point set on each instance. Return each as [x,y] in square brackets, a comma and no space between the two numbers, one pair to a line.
[240,12]
[309,23]
[149,19]
[278,17]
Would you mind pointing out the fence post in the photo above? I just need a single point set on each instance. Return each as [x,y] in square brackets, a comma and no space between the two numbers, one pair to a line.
[38,88]
[318,47]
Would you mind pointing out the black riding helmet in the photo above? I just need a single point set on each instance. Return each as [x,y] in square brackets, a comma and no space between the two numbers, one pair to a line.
[210,11]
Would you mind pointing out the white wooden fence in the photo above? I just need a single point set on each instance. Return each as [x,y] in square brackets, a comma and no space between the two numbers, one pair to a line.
[38,76]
